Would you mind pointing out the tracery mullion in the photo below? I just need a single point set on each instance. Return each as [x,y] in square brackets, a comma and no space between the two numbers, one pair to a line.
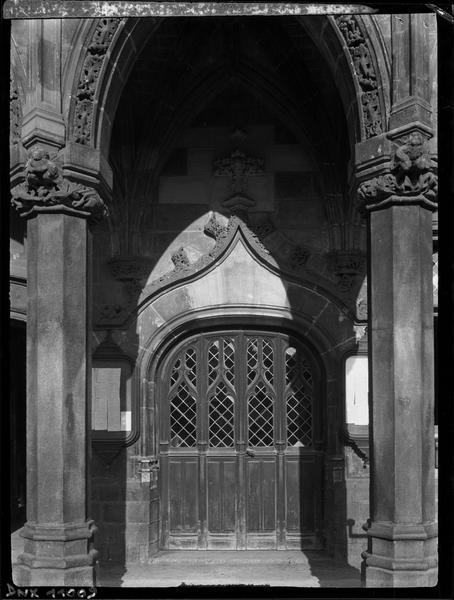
[202,385]
[202,382]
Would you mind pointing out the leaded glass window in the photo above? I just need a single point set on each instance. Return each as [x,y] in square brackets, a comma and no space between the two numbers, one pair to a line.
[260,417]
[210,380]
[299,398]
[220,418]
[183,411]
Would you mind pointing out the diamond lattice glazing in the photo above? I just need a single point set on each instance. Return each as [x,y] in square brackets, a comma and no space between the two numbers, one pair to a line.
[221,418]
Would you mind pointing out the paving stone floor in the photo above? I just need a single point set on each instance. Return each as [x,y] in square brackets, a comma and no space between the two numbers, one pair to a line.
[223,568]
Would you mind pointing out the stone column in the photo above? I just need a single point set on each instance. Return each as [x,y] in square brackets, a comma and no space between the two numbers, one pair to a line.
[399,199]
[57,534]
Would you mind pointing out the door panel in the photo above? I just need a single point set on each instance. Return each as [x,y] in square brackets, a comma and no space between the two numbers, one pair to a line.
[221,496]
[261,496]
[238,467]
[183,500]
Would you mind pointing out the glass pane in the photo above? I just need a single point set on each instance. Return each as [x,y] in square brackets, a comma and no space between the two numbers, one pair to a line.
[252,360]
[221,415]
[357,390]
[213,362]
[267,361]
[183,412]
[299,418]
[260,417]
[191,366]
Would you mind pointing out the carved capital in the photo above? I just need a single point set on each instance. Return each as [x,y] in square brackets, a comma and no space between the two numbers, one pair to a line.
[412,178]
[44,189]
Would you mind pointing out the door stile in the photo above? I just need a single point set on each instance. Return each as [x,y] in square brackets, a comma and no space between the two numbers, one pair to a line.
[280,443]
[241,442]
[164,478]
[202,445]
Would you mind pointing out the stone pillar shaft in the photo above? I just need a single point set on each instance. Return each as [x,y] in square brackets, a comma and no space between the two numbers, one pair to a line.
[402,364]
[57,533]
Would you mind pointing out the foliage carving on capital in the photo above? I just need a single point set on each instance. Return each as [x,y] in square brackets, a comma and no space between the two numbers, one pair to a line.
[411,180]
[46,190]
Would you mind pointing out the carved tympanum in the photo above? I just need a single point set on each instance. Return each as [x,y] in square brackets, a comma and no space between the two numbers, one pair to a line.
[46,190]
[412,178]
[365,72]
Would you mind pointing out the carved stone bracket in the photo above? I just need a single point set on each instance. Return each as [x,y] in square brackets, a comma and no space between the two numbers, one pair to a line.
[239,167]
[46,190]
[86,89]
[130,271]
[365,72]
[347,266]
[412,178]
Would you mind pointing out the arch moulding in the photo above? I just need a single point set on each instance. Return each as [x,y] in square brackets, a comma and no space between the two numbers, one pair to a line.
[113,45]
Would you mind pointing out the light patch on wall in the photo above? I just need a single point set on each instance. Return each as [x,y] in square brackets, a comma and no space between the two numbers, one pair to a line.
[357,390]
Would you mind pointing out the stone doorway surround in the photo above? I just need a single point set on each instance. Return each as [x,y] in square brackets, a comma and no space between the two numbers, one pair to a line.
[396,175]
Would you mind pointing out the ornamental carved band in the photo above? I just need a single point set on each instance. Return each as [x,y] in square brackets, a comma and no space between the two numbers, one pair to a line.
[46,190]
[411,180]
[365,72]
[86,88]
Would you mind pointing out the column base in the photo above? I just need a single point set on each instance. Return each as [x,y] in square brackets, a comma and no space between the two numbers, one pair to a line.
[56,555]
[24,576]
[378,578]
[402,555]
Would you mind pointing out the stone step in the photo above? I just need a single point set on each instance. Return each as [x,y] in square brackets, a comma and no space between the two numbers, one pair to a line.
[232,557]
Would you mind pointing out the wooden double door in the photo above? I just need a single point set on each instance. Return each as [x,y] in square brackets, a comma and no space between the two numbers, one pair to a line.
[240,467]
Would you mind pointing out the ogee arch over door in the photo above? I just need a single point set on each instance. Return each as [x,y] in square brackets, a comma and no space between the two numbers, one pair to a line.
[239,468]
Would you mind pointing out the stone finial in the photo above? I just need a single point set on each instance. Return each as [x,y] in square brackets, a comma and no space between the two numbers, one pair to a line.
[46,190]
[411,180]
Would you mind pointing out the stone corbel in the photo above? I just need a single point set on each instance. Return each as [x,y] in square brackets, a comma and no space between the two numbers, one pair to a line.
[45,190]
[347,266]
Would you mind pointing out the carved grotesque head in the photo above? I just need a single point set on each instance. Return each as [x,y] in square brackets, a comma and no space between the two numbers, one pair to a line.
[40,171]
